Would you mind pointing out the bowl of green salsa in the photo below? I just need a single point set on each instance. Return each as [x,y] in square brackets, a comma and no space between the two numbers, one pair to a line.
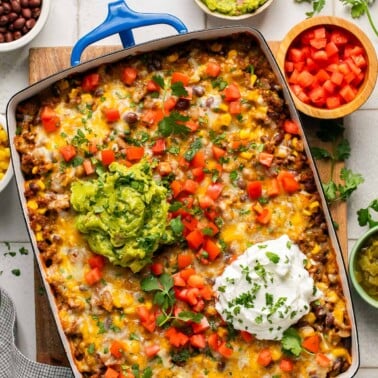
[363,266]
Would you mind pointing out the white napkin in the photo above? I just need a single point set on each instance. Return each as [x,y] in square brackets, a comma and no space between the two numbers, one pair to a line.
[13,364]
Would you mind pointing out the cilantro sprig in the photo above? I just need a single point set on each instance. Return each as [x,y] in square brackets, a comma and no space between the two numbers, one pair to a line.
[173,124]
[291,342]
[365,217]
[164,297]
[340,151]
[358,8]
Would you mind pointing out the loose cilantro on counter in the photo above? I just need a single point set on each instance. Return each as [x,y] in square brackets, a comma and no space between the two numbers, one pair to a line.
[365,217]
[338,152]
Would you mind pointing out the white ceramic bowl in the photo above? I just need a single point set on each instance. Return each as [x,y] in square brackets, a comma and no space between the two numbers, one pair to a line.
[228,17]
[34,31]
[9,173]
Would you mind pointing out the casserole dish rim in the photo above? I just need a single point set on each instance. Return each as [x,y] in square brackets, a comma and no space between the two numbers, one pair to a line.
[150,46]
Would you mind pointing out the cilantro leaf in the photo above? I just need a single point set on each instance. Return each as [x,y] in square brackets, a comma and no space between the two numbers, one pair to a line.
[150,283]
[178,89]
[342,150]
[273,257]
[159,80]
[330,190]
[177,226]
[187,316]
[219,83]
[352,180]
[364,215]
[320,153]
[291,342]
[193,149]
[173,124]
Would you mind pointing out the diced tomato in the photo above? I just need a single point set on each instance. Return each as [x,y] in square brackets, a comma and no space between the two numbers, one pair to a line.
[234,107]
[288,182]
[312,343]
[107,156]
[190,186]
[93,276]
[199,160]
[323,360]
[305,79]
[338,37]
[329,86]
[186,273]
[180,77]
[347,93]
[214,190]
[176,187]
[231,93]
[213,69]
[273,188]
[90,82]
[151,350]
[246,336]
[88,167]
[265,357]
[333,102]
[322,76]
[152,86]
[147,318]
[212,249]
[117,349]
[202,326]
[157,268]
[151,117]
[184,260]
[293,78]
[192,125]
[254,189]
[286,365]
[195,280]
[176,338]
[331,49]
[264,217]
[169,104]
[195,239]
[68,152]
[205,201]
[178,280]
[318,43]
[289,66]
[320,56]
[97,261]
[291,127]
[111,373]
[159,146]
[50,120]
[190,222]
[111,114]
[318,96]
[134,153]
[266,159]
[198,174]
[295,55]
[224,350]
[198,341]
[129,75]
[213,341]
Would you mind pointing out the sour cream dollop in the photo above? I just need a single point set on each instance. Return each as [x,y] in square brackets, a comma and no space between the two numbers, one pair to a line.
[267,289]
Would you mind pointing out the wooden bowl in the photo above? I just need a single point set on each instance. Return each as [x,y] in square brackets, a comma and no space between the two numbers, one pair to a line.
[366,87]
[235,18]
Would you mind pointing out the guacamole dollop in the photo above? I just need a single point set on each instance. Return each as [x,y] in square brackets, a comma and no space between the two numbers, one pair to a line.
[123,214]
[233,7]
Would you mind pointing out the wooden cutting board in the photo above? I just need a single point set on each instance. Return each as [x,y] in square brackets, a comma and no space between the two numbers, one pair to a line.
[44,62]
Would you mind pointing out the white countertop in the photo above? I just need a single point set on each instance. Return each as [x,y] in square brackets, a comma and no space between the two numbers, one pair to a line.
[71,19]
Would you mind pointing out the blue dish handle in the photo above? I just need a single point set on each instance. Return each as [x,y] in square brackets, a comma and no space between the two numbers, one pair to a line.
[121,19]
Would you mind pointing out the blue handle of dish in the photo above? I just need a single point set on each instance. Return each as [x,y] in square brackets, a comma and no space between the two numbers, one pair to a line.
[121,19]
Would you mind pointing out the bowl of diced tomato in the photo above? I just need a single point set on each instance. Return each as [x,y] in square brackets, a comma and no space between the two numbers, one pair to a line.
[330,66]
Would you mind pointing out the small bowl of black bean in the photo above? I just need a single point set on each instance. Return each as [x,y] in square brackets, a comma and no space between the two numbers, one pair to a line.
[21,21]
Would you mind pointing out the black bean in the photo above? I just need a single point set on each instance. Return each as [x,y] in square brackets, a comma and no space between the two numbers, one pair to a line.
[182,104]
[131,118]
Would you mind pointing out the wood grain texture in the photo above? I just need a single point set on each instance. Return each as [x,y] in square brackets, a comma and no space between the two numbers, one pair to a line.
[44,62]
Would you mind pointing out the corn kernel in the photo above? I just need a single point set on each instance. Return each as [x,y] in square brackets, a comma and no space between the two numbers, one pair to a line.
[252,80]
[225,119]
[173,57]
[246,155]
[232,54]
[314,205]
[32,204]
[244,134]
[39,236]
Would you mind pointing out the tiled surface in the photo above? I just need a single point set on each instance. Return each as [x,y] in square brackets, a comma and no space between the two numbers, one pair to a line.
[71,19]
